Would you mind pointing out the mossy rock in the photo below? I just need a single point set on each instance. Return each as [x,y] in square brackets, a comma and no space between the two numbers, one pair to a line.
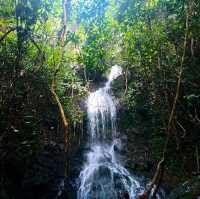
[188,190]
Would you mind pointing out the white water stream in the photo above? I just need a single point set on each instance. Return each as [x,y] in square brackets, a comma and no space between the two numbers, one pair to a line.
[103,175]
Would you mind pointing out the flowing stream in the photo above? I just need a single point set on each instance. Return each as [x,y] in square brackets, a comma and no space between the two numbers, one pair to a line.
[103,175]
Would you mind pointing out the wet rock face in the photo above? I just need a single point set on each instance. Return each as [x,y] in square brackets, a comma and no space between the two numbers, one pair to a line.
[45,175]
[138,147]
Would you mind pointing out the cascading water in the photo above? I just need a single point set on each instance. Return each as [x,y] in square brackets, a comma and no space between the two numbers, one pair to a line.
[103,175]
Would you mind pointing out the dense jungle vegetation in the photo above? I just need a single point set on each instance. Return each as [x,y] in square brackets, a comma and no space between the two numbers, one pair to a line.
[54,52]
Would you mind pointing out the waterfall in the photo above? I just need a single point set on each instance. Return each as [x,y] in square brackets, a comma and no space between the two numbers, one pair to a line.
[103,175]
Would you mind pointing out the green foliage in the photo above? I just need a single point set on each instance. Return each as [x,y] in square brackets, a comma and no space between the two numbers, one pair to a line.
[151,37]
[29,53]
[145,37]
[90,11]
[94,52]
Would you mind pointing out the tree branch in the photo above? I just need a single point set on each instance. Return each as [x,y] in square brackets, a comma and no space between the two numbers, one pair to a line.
[6,34]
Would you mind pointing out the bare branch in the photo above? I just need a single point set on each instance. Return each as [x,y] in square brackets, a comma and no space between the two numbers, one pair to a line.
[182,128]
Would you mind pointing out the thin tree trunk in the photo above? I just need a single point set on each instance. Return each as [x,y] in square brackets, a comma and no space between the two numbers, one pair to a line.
[160,167]
[126,80]
[53,84]
[197,159]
